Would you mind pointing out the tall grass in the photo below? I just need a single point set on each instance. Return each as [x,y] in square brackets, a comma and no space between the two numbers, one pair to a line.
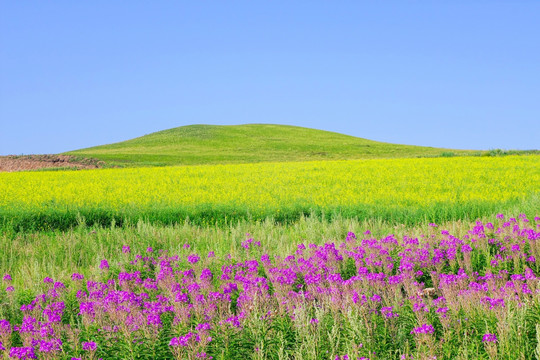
[33,255]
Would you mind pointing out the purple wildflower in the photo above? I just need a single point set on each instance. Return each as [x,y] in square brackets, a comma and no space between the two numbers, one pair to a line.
[193,258]
[489,338]
[203,326]
[22,353]
[104,264]
[76,277]
[424,329]
[89,346]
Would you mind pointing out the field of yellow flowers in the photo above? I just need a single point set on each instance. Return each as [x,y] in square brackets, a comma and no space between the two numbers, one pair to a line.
[401,190]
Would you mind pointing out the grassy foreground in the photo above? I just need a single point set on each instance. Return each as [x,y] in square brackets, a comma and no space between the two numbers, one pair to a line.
[311,290]
[404,191]
[214,144]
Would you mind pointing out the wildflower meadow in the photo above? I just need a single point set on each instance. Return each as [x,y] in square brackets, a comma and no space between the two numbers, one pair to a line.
[438,295]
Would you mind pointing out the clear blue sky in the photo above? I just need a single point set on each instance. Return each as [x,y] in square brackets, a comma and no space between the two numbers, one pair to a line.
[458,74]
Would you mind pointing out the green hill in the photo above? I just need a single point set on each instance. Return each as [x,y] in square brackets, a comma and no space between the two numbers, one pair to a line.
[211,144]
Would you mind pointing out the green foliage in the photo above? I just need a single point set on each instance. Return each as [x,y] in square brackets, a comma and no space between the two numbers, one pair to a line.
[62,219]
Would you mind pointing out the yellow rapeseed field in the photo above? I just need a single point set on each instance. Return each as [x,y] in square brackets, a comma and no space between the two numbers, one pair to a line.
[270,188]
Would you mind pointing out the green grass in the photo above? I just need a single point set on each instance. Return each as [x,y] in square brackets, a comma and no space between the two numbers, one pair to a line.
[13,220]
[213,144]
[31,256]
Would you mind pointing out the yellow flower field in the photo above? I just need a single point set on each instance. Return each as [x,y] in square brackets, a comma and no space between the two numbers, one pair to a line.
[355,187]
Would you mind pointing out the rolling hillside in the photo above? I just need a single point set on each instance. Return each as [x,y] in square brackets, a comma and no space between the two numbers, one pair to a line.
[212,144]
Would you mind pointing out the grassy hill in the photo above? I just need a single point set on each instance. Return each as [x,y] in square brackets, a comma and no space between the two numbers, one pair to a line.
[212,144]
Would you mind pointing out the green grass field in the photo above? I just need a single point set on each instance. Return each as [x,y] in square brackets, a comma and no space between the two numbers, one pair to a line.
[213,144]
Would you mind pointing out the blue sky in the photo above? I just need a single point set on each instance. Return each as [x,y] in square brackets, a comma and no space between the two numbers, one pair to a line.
[457,74]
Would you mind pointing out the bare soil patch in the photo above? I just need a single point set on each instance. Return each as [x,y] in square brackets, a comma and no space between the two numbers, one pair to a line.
[35,162]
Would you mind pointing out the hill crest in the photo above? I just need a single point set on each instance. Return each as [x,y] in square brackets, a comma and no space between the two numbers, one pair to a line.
[214,144]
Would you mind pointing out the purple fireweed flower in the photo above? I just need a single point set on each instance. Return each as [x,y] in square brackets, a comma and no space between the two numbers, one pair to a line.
[48,280]
[27,325]
[76,277]
[5,327]
[314,321]
[104,264]
[387,312]
[466,248]
[203,326]
[442,311]
[50,346]
[184,340]
[193,258]
[424,329]
[174,342]
[489,338]
[203,355]
[206,274]
[89,346]
[245,244]
[86,308]
[126,249]
[211,254]
[7,278]
[420,307]
[22,353]
[154,319]
[186,246]
[10,289]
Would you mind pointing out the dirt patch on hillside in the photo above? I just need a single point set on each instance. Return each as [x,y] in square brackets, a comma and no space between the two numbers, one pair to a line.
[35,162]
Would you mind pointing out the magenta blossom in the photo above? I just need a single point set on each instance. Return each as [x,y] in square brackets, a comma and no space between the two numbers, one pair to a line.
[89,346]
[424,329]
[489,338]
